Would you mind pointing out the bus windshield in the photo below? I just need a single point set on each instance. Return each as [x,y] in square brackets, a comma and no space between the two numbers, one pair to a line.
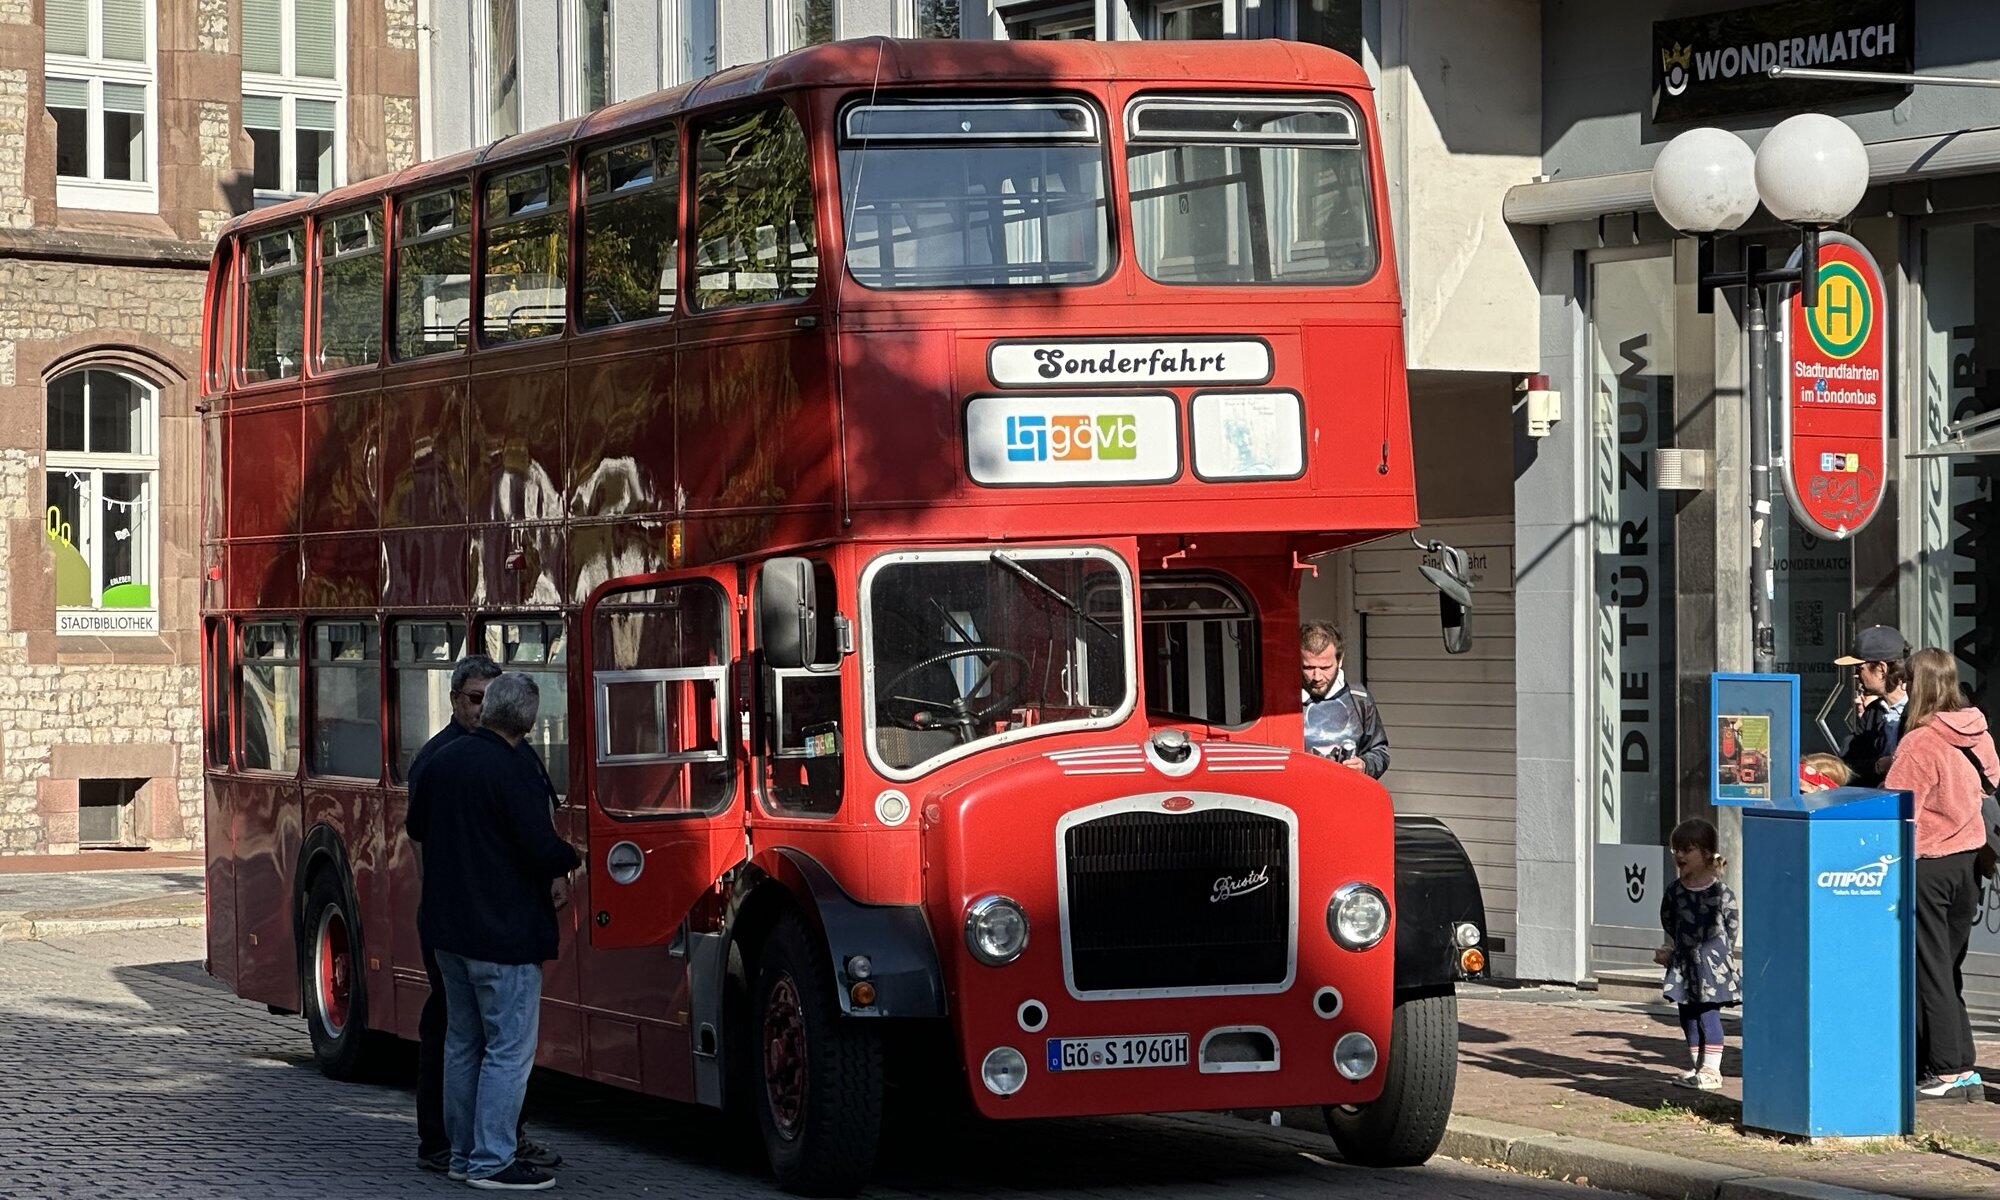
[967,646]
[974,194]
[1249,190]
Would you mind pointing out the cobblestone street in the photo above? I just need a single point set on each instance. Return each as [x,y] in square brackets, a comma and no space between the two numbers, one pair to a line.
[131,1073]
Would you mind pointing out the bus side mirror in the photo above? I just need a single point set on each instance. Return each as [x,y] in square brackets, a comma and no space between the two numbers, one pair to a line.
[787,613]
[1445,567]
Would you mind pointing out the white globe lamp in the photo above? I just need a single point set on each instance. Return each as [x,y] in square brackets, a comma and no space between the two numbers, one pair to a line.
[1812,170]
[1705,181]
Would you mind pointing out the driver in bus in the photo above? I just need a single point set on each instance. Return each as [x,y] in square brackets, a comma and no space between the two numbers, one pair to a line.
[1342,722]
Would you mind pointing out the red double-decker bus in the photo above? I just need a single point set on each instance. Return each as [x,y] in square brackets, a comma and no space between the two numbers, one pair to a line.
[896,461]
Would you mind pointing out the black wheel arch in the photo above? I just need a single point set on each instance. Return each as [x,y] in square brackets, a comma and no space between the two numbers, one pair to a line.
[1436,891]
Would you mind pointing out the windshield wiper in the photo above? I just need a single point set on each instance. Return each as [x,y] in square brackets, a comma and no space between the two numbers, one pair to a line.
[1007,560]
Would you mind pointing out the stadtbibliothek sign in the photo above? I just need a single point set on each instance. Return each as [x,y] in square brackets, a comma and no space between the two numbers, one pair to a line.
[1835,415]
[1718,64]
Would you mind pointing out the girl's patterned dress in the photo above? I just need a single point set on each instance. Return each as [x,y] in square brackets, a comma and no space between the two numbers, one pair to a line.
[1701,925]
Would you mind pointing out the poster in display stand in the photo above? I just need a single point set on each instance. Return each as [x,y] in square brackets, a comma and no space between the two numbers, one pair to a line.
[1753,740]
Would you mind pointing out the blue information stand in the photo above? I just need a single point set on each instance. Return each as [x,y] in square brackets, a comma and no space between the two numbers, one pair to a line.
[1829,965]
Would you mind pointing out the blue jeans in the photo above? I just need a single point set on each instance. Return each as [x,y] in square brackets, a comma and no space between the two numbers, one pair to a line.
[494,1018]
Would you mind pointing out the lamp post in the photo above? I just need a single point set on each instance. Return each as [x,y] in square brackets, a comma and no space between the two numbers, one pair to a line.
[1809,172]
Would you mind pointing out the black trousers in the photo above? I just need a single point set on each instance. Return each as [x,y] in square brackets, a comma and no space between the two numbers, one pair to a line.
[431,1135]
[1947,906]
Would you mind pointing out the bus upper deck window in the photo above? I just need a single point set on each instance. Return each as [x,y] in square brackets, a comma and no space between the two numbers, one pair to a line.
[433,272]
[755,237]
[973,193]
[350,290]
[524,288]
[274,306]
[1249,190]
[631,223]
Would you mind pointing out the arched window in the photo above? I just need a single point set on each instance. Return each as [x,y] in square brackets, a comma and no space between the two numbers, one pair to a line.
[102,512]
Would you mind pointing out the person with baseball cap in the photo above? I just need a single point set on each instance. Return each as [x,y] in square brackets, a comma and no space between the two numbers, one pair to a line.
[1881,662]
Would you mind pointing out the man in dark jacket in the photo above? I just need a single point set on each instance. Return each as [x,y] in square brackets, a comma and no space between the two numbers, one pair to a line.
[1881,662]
[491,855]
[469,679]
[1341,721]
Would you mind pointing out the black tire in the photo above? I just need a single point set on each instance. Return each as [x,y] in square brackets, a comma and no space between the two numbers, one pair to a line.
[818,1093]
[332,985]
[1404,1127]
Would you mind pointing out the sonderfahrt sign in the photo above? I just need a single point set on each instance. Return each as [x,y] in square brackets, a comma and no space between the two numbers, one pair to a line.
[1835,418]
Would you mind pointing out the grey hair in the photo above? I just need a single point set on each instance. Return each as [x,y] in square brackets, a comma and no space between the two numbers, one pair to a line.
[473,666]
[512,702]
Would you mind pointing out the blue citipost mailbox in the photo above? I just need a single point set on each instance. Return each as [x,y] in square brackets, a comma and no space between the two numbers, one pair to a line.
[1829,942]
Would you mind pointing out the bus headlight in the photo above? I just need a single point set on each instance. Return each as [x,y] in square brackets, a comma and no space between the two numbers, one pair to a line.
[1357,916]
[996,930]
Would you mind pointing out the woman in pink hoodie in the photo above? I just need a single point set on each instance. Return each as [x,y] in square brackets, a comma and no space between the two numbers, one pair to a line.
[1946,759]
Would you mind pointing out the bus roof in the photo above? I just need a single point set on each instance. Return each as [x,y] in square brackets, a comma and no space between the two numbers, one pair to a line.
[880,62]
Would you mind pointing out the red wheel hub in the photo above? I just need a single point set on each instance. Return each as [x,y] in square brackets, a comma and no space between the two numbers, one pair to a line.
[785,1056]
[334,972]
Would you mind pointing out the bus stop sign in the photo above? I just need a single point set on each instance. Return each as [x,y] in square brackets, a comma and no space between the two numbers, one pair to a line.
[1835,419]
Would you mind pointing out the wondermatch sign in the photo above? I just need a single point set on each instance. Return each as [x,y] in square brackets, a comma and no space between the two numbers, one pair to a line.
[1835,421]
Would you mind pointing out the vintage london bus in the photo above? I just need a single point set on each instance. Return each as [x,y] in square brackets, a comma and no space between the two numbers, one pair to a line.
[895,462]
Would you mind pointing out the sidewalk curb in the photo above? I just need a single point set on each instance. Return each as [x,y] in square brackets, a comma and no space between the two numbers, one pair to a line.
[23,930]
[1603,1165]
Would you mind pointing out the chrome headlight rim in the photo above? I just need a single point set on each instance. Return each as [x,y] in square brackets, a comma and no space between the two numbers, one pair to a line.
[1347,893]
[1466,935]
[975,916]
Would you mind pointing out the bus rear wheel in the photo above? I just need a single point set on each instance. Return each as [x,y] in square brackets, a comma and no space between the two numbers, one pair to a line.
[1405,1126]
[330,980]
[818,1092]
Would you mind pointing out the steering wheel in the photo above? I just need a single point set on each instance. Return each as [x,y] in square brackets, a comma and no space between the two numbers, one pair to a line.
[959,712]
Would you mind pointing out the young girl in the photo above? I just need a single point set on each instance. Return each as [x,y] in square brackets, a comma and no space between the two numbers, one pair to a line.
[1699,916]
[1818,772]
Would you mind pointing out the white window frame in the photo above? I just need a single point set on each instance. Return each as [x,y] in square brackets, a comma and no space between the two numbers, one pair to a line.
[676,66]
[571,19]
[289,87]
[95,191]
[91,467]
[1162,10]
[780,18]
[905,20]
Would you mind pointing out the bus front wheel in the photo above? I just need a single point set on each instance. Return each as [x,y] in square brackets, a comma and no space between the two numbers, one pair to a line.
[1406,1124]
[819,1074]
[330,980]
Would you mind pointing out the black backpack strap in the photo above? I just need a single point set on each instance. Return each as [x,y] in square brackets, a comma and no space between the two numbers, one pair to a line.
[1985,784]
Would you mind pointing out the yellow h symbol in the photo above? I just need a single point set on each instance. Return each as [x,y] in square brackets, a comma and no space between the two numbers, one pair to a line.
[1839,299]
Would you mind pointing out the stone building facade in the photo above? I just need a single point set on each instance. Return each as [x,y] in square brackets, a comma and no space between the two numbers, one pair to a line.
[130,131]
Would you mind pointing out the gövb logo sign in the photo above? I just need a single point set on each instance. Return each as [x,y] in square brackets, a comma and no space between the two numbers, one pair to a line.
[1835,417]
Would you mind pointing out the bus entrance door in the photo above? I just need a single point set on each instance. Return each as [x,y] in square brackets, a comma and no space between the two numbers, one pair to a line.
[664,770]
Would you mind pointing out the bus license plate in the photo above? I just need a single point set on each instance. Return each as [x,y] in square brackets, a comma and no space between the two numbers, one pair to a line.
[1111,1053]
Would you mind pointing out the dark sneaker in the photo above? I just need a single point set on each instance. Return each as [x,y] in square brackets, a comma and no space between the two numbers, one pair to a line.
[532,1152]
[517,1176]
[1968,1087]
[437,1160]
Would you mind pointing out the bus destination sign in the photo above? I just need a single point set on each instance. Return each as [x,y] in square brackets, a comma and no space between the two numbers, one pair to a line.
[1835,416]
[1028,441]
[1128,362]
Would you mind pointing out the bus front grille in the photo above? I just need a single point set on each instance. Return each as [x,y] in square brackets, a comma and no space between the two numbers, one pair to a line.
[1189,902]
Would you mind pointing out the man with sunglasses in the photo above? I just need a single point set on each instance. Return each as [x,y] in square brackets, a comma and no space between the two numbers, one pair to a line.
[469,680]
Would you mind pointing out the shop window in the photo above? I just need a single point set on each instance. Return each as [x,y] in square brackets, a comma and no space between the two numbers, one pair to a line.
[422,656]
[807,752]
[539,649]
[350,290]
[99,87]
[293,93]
[1332,23]
[267,697]
[104,811]
[661,700]
[524,286]
[101,512]
[274,307]
[347,699]
[433,272]
[631,223]
[755,234]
